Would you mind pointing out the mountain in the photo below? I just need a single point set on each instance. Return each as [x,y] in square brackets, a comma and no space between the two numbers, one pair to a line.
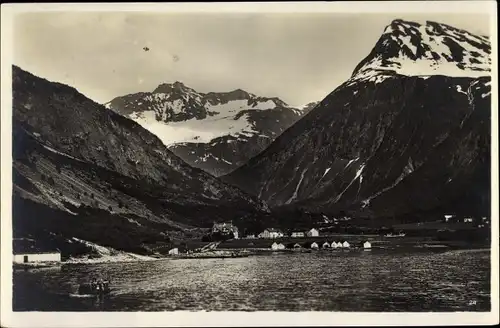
[408,133]
[81,170]
[216,131]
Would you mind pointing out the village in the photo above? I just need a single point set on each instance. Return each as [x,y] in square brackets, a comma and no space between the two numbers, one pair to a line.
[224,240]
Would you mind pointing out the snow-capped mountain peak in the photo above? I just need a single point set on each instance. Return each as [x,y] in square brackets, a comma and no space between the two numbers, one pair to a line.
[423,49]
[199,127]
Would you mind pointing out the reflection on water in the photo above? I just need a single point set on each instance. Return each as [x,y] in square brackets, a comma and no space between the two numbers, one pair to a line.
[321,281]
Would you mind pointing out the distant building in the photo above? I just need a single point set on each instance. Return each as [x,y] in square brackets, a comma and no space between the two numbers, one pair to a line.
[277,246]
[297,245]
[298,234]
[26,251]
[468,219]
[225,229]
[448,218]
[335,245]
[346,244]
[367,245]
[250,237]
[314,245]
[173,251]
[313,233]
[271,233]
[326,245]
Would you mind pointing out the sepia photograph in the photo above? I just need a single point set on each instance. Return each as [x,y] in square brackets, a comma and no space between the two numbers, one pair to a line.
[249,158]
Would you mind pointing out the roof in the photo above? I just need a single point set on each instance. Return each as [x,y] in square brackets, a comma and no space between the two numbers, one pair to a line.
[30,246]
[272,230]
[225,225]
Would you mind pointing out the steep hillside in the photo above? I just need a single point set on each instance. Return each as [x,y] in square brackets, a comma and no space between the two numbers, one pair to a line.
[408,132]
[215,131]
[94,168]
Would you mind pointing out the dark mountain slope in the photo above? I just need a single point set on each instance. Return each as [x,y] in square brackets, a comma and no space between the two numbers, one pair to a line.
[70,153]
[385,143]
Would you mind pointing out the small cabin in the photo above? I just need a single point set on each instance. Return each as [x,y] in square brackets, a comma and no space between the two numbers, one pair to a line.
[314,245]
[37,257]
[334,244]
[367,245]
[173,251]
[274,246]
[26,251]
[326,245]
[281,246]
[298,234]
[313,233]
[297,245]
[346,244]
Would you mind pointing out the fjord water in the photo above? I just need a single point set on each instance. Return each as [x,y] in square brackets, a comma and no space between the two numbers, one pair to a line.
[377,280]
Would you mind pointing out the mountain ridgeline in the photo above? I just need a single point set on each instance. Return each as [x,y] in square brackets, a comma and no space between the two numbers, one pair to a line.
[77,164]
[215,131]
[407,134]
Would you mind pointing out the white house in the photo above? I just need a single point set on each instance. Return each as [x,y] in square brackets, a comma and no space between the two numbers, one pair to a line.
[334,244]
[274,246]
[298,234]
[297,245]
[326,245]
[37,257]
[271,233]
[281,246]
[346,244]
[313,233]
[314,246]
[367,245]
[173,251]
[27,251]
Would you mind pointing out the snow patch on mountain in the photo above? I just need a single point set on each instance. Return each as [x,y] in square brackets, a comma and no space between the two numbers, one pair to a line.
[413,49]
[194,130]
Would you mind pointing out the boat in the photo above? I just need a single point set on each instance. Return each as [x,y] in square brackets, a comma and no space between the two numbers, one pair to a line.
[98,287]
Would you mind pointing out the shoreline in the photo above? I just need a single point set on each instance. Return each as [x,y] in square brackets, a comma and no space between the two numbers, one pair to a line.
[239,253]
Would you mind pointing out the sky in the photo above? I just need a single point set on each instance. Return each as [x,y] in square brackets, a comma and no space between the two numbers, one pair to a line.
[297,57]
